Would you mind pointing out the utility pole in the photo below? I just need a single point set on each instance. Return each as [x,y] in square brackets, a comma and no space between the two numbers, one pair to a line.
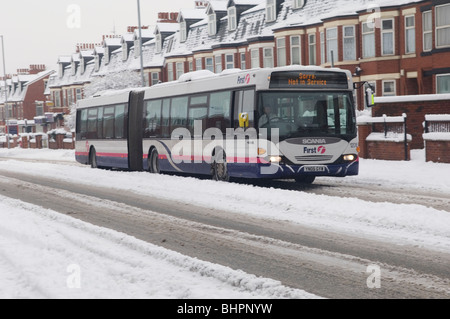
[140,43]
[6,91]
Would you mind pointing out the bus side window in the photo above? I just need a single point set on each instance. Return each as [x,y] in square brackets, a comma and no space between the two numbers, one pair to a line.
[152,123]
[220,111]
[198,111]
[165,121]
[119,121]
[108,122]
[83,124]
[92,124]
[100,123]
[178,112]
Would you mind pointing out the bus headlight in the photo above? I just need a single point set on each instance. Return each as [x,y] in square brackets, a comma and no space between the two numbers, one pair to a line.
[275,159]
[349,157]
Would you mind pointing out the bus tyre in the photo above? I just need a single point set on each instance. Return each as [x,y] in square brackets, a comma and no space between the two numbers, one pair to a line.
[93,158]
[305,179]
[220,167]
[153,162]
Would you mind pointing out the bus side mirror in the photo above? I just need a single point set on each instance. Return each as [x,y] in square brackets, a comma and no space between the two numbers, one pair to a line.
[370,97]
[243,120]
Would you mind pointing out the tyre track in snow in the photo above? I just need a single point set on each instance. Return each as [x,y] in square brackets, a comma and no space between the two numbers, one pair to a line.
[323,263]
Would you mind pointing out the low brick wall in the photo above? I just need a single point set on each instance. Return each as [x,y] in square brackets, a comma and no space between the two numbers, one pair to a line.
[388,151]
[437,149]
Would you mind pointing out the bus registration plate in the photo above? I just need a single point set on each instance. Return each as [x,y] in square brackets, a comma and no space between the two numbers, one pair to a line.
[315,169]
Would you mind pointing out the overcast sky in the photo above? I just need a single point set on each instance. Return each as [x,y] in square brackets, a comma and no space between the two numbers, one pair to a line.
[39,31]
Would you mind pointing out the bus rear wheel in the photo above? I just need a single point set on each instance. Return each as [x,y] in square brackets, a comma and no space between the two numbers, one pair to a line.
[153,162]
[220,167]
[93,158]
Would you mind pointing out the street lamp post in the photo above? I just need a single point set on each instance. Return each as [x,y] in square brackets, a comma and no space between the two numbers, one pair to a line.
[140,43]
[6,92]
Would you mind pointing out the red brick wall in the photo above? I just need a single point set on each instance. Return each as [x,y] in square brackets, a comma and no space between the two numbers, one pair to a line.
[389,151]
[416,112]
[438,151]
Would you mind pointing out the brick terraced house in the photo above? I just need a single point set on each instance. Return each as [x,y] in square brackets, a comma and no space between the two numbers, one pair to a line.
[401,48]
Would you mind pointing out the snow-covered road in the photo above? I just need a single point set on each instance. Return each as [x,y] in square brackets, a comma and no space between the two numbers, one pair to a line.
[45,242]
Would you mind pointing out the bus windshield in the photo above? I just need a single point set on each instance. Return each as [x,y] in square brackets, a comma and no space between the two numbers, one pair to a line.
[303,114]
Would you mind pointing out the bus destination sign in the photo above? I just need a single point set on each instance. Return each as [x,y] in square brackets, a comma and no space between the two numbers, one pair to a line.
[309,80]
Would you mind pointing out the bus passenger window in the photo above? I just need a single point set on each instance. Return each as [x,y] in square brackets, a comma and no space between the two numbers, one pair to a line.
[108,122]
[178,112]
[119,123]
[83,124]
[100,123]
[92,124]
[197,114]
[220,111]
[152,123]
[165,124]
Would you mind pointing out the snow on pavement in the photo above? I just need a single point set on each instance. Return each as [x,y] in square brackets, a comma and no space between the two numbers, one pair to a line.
[134,275]
[44,254]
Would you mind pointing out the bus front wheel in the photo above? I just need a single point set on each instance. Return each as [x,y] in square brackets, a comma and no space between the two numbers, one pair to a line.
[220,167]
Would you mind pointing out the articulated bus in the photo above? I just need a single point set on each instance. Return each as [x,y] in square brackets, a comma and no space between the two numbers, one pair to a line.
[292,122]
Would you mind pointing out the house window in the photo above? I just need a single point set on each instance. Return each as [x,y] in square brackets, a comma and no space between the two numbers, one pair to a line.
[410,34]
[183,31]
[79,96]
[255,58]
[296,56]
[389,88]
[299,4]
[349,43]
[198,64]
[368,37]
[443,26]
[180,69]
[243,64]
[322,47]
[158,42]
[191,66]
[209,64]
[281,52]
[229,61]
[218,63]
[170,72]
[232,20]
[332,45]
[427,31]
[270,10]
[312,49]
[212,26]
[268,58]
[387,37]
[155,78]
[443,84]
